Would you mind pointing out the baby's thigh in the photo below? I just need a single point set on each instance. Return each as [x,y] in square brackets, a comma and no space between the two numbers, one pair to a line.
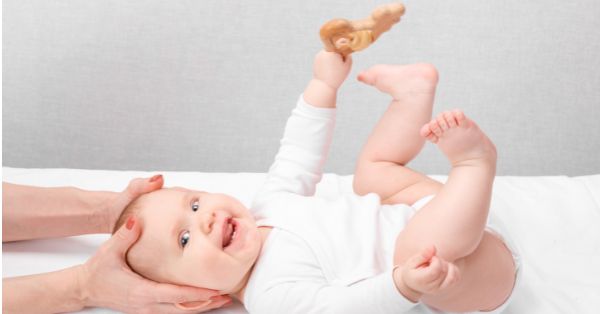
[395,184]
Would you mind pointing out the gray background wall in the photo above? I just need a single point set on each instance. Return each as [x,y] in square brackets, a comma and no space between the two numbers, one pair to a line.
[207,85]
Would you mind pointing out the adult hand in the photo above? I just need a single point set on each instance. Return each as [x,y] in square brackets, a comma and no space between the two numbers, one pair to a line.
[106,280]
[118,201]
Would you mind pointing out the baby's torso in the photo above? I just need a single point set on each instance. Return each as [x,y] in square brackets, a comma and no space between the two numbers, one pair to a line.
[333,241]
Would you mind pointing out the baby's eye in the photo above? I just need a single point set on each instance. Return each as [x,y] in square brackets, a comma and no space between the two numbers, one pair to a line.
[185,237]
[195,205]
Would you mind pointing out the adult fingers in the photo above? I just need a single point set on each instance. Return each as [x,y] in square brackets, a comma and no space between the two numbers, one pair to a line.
[135,188]
[124,238]
[141,186]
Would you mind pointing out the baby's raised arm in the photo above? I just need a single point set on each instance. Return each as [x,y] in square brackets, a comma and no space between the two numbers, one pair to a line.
[298,165]
[329,72]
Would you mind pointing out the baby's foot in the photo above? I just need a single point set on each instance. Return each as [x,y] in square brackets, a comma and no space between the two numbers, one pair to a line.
[459,138]
[401,80]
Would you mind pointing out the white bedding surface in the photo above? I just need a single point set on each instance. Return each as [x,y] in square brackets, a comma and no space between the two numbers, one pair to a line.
[554,220]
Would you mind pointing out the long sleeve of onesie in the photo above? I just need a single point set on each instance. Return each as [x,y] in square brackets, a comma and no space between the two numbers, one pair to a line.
[298,165]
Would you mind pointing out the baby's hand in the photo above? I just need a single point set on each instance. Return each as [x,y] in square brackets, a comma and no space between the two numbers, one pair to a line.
[331,68]
[426,273]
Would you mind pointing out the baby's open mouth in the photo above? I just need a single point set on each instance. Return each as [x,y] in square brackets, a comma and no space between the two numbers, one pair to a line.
[229,231]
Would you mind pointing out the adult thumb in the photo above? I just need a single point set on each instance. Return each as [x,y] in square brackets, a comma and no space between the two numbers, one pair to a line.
[125,237]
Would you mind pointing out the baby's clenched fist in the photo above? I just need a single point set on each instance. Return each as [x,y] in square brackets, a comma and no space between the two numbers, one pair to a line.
[425,273]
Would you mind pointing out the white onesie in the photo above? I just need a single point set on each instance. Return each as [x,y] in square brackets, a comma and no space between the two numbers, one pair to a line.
[323,255]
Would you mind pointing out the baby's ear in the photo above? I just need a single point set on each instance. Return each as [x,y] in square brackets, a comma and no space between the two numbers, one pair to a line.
[193,306]
[214,302]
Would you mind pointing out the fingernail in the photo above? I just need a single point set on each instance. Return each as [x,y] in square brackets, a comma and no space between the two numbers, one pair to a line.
[156,178]
[130,223]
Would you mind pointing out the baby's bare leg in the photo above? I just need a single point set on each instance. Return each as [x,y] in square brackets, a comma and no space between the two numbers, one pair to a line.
[454,220]
[486,266]
[395,140]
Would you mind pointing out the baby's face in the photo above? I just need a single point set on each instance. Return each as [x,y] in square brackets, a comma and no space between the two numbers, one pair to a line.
[195,238]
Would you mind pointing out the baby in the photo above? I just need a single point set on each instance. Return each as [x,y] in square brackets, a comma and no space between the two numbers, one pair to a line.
[400,240]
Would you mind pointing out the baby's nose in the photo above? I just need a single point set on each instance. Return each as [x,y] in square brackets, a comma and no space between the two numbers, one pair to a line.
[207,222]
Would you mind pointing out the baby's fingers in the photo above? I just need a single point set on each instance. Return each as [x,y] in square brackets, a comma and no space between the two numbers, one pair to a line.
[421,258]
[452,276]
[435,271]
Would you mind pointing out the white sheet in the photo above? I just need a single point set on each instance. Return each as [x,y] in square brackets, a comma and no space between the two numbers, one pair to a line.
[554,220]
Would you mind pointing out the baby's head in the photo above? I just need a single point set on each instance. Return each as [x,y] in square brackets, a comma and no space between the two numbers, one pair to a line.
[193,238]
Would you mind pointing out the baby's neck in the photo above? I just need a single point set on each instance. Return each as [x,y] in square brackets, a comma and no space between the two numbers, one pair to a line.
[241,288]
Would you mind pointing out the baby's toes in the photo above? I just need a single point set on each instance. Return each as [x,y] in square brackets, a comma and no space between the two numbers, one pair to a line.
[449,117]
[442,122]
[425,130]
[459,116]
[432,138]
[428,134]
[435,128]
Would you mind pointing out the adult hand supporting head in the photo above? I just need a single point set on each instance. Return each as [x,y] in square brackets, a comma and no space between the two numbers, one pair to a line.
[106,280]
[119,201]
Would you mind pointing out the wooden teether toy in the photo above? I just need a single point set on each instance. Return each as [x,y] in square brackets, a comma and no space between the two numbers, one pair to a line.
[345,37]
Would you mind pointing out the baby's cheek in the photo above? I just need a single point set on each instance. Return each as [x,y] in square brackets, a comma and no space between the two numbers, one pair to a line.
[234,205]
[201,269]
[146,263]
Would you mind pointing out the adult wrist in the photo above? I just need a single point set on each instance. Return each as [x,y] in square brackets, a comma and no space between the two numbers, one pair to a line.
[100,204]
[83,294]
[77,296]
[109,214]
